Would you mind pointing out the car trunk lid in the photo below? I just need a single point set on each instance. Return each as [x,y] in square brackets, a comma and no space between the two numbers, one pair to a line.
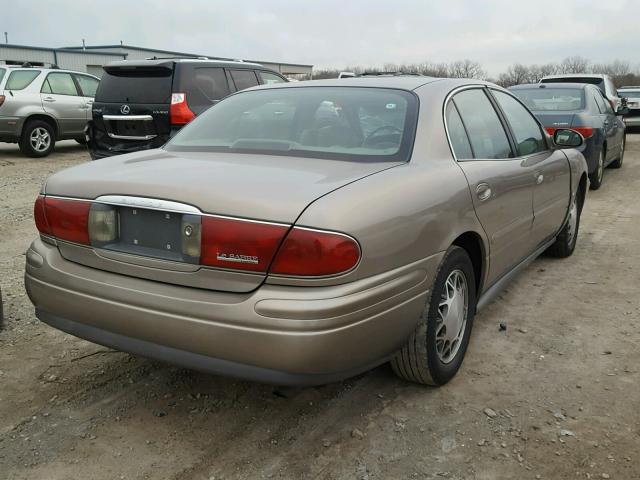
[263,188]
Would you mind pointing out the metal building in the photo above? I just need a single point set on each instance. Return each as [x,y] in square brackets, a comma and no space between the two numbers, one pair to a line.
[90,59]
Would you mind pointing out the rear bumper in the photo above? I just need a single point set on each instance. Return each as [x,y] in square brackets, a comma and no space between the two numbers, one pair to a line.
[276,334]
[101,145]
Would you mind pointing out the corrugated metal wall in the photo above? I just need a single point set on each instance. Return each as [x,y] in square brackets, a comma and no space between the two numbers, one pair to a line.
[25,55]
[81,62]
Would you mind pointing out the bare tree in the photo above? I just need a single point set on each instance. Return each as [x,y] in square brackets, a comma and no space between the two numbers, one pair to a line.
[515,75]
[575,64]
[466,69]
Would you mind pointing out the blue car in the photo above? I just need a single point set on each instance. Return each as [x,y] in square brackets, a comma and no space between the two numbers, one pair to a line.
[583,108]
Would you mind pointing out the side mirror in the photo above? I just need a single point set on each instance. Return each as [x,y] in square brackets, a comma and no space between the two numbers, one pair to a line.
[564,138]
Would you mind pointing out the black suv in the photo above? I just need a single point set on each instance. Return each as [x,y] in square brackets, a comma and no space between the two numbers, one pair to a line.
[140,104]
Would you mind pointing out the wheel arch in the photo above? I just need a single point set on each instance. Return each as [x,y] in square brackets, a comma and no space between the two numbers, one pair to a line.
[472,243]
[45,118]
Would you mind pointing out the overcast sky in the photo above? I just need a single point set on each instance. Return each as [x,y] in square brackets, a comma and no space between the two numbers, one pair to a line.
[343,32]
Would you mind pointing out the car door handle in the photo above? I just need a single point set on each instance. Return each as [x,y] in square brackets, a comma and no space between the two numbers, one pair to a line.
[539,178]
[483,191]
[49,99]
[606,123]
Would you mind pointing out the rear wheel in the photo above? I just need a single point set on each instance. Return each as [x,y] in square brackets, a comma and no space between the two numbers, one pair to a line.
[566,240]
[617,163]
[435,350]
[37,139]
[595,178]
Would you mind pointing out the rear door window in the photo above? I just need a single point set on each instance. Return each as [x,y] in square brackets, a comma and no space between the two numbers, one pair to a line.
[88,85]
[139,85]
[21,79]
[244,78]
[525,128]
[486,133]
[59,84]
[457,134]
[268,78]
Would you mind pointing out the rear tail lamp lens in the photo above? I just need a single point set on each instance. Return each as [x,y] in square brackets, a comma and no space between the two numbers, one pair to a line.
[307,252]
[179,111]
[586,132]
[103,224]
[239,244]
[2,98]
[40,217]
[67,219]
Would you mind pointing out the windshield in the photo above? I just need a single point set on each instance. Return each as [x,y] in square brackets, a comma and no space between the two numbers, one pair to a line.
[629,93]
[551,99]
[343,123]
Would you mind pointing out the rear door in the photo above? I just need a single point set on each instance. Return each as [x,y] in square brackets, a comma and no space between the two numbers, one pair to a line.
[131,108]
[61,98]
[612,132]
[551,173]
[88,86]
[501,184]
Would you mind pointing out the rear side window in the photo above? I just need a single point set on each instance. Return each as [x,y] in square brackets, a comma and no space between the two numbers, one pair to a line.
[140,85]
[244,78]
[20,79]
[486,133]
[457,134]
[59,84]
[268,78]
[211,82]
[88,85]
[525,128]
[603,105]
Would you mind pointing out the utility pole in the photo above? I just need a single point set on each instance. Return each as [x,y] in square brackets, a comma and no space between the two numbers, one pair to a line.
[83,47]
[6,37]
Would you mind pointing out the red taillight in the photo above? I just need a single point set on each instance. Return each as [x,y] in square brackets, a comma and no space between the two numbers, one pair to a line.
[307,252]
[613,104]
[64,219]
[2,97]
[40,216]
[179,111]
[239,244]
[586,132]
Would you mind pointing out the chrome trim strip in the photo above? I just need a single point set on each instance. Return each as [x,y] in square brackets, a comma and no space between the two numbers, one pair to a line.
[164,206]
[148,203]
[131,137]
[143,118]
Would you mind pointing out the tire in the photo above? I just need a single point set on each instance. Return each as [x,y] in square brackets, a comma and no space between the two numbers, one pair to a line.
[617,163]
[566,240]
[34,133]
[595,178]
[424,359]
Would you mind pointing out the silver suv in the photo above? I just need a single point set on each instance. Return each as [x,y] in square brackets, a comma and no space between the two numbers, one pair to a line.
[41,105]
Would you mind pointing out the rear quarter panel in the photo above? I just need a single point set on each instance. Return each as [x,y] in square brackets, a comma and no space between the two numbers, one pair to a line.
[407,213]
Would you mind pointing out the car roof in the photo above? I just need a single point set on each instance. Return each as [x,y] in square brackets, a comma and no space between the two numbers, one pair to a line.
[576,75]
[15,68]
[168,62]
[399,82]
[530,86]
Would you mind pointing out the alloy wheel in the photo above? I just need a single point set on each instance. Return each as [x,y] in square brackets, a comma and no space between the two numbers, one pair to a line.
[572,222]
[40,139]
[452,316]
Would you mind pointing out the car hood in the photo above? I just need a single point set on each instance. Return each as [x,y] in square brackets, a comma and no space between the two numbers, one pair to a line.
[265,187]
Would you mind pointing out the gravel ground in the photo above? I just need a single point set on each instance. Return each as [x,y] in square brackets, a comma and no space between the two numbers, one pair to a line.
[554,396]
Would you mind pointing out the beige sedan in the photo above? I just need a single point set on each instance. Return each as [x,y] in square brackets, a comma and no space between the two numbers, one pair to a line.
[304,233]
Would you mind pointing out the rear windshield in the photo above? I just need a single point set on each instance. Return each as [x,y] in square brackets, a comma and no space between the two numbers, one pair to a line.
[551,99]
[135,86]
[20,79]
[622,93]
[343,123]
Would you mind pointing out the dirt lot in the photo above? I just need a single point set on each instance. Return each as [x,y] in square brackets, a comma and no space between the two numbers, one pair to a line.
[556,395]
